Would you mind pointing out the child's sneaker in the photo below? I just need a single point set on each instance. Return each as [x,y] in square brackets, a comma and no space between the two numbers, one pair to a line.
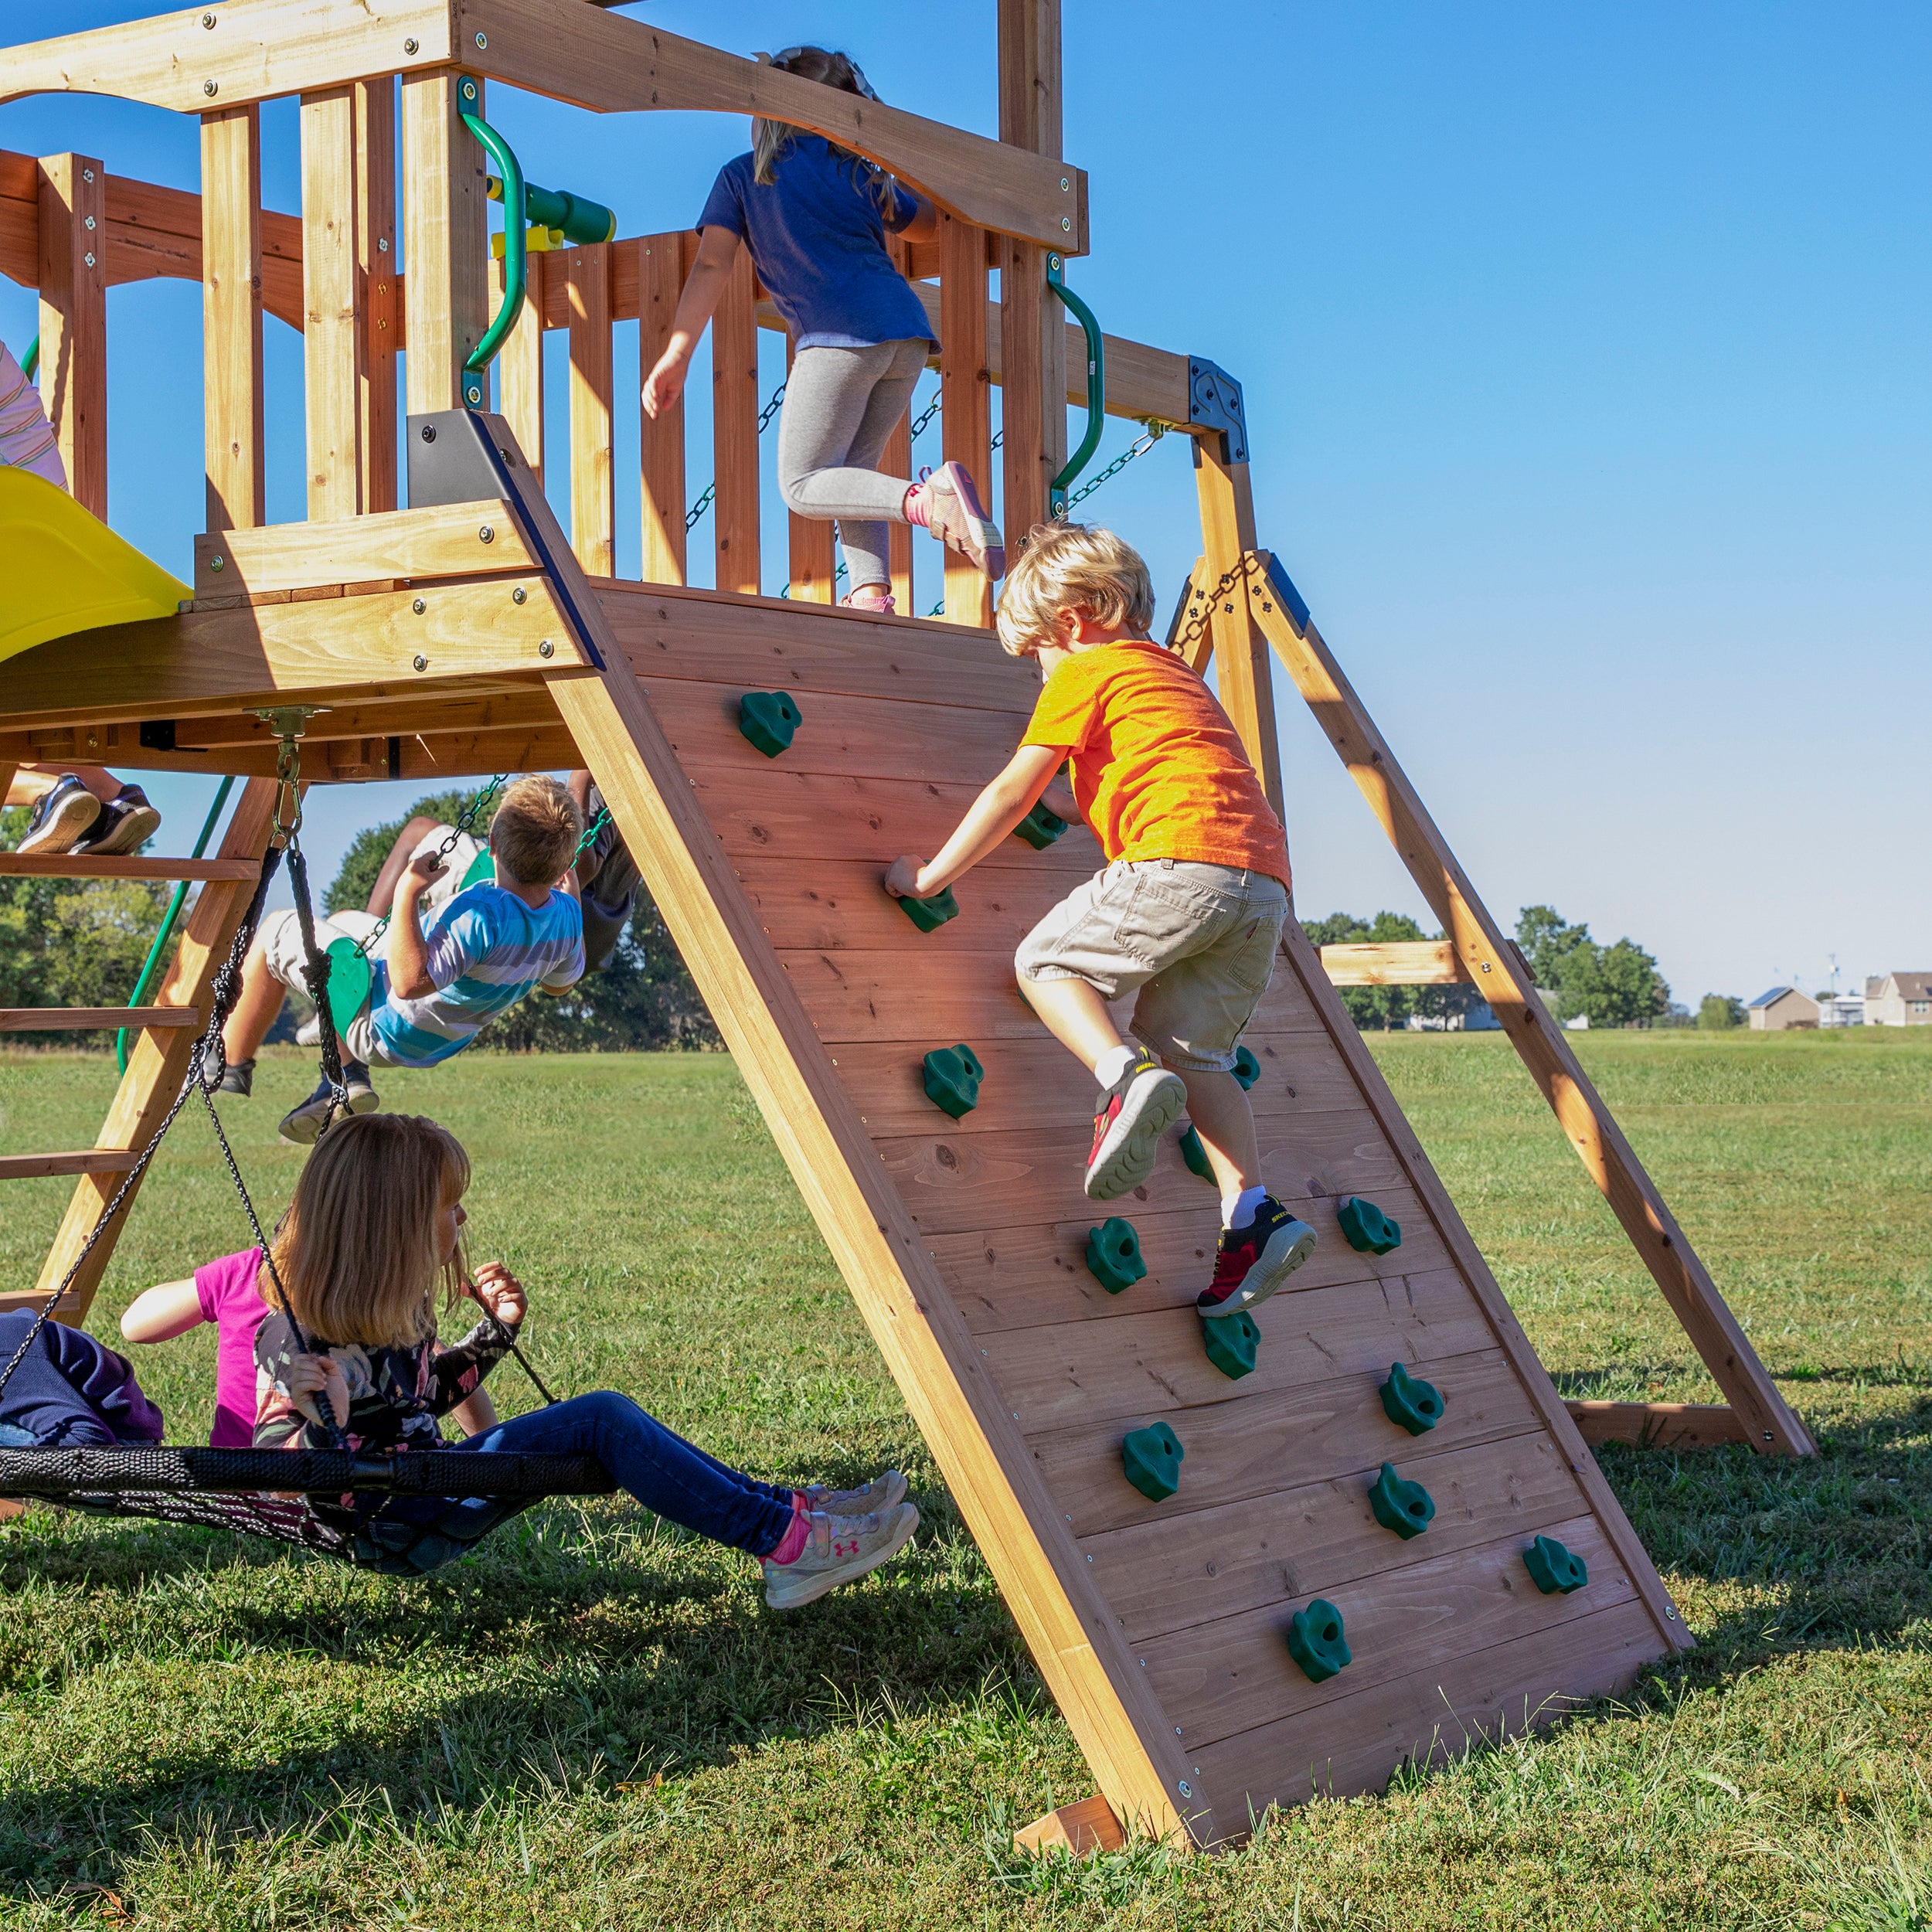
[884,1492]
[60,817]
[949,506]
[1252,1262]
[302,1125]
[871,596]
[1134,1113]
[237,1077]
[124,825]
[840,1549]
[310,1033]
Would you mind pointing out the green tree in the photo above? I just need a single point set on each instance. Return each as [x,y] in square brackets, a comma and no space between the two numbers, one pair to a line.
[1616,985]
[1719,1012]
[1546,941]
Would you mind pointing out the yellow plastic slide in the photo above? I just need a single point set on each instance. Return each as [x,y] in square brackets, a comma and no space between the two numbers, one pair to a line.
[62,570]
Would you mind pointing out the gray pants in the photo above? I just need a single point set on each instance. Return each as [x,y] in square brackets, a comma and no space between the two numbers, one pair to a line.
[841,404]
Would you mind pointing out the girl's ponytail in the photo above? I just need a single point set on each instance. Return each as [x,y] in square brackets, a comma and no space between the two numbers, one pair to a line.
[770,138]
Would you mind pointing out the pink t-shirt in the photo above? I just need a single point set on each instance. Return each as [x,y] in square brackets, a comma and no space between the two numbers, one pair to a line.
[230,1299]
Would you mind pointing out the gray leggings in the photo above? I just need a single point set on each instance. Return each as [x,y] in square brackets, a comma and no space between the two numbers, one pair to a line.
[841,404]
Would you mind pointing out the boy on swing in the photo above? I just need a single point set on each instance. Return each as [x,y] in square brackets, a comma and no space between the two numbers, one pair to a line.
[1189,911]
[432,988]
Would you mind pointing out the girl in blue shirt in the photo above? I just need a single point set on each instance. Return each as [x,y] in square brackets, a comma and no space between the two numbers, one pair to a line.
[815,217]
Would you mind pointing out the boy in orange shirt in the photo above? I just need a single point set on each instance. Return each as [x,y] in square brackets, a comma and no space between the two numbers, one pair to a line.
[1189,911]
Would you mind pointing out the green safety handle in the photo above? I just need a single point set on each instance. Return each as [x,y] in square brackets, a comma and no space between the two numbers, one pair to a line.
[515,261]
[1096,386]
[174,907]
[576,217]
[31,360]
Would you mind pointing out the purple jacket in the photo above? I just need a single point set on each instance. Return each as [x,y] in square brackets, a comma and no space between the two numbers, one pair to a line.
[69,1392]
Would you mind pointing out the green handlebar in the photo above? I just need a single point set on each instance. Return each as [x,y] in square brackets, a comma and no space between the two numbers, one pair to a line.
[31,360]
[516,266]
[576,217]
[1096,386]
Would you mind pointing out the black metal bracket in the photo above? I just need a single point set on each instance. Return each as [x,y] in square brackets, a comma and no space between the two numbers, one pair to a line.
[1214,402]
[1290,599]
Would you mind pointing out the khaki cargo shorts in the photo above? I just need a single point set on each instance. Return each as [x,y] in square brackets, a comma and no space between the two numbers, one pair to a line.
[1197,942]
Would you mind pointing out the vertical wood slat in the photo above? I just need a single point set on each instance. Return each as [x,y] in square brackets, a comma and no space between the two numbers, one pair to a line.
[898,461]
[520,369]
[73,320]
[445,240]
[231,311]
[660,444]
[734,431]
[813,565]
[965,388]
[592,504]
[375,102]
[1247,682]
[331,318]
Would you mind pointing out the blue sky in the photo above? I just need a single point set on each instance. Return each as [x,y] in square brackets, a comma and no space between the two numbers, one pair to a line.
[1585,356]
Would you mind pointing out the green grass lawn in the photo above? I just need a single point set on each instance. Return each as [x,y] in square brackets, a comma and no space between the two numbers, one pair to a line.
[595,1722]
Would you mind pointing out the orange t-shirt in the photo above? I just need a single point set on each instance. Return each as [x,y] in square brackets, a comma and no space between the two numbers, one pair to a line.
[1157,767]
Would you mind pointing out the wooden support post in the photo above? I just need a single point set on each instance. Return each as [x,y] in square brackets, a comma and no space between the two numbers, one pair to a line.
[734,431]
[966,395]
[331,319]
[1032,326]
[73,320]
[660,444]
[593,501]
[1240,648]
[520,367]
[813,564]
[445,239]
[231,313]
[157,1061]
[375,281]
[1498,970]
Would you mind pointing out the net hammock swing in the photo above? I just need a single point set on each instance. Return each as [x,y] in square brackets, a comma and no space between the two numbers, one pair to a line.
[400,1514]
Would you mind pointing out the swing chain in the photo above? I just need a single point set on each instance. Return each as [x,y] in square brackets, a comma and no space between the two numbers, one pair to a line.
[465,819]
[1196,628]
[288,722]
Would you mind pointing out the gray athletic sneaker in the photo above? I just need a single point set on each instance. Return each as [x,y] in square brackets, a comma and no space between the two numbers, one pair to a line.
[301,1125]
[237,1077]
[886,1491]
[841,1550]
[954,516]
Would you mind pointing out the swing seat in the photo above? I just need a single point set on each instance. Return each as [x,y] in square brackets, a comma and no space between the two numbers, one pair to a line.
[65,571]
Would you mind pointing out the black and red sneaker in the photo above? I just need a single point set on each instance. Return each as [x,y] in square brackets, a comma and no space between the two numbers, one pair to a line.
[1134,1113]
[1252,1262]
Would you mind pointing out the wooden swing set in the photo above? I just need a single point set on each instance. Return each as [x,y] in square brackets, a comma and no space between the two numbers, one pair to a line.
[467,634]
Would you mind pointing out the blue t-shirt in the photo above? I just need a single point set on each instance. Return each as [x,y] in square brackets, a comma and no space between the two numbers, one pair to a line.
[818,237]
[486,949]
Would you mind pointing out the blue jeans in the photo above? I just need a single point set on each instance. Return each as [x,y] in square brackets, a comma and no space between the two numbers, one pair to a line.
[674,1477]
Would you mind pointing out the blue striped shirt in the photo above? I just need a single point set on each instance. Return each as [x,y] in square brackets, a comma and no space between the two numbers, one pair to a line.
[487,950]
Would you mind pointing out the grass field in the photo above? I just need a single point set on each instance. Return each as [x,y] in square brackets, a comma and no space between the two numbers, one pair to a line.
[595,1722]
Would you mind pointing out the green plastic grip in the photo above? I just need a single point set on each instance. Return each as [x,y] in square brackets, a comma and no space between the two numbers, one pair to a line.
[930,914]
[1409,1401]
[1407,1507]
[1552,1567]
[1317,1642]
[1113,1255]
[1247,1068]
[1366,1229]
[1232,1342]
[952,1076]
[768,719]
[1096,386]
[515,248]
[1195,1153]
[1151,1457]
[1040,827]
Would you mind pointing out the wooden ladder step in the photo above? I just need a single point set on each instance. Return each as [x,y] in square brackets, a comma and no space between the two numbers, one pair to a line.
[67,865]
[65,1020]
[87,1159]
[1661,1425]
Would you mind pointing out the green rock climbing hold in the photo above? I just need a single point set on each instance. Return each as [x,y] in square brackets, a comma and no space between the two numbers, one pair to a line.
[1195,1153]
[482,872]
[1367,1229]
[930,913]
[1231,1341]
[1407,1507]
[953,1075]
[1553,1568]
[1113,1254]
[1151,1457]
[1409,1401]
[1247,1068]
[1040,827]
[1315,1640]
[348,982]
[768,719]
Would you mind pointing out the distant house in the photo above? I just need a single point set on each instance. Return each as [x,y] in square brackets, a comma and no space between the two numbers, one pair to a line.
[1841,1009]
[1899,999]
[1782,1007]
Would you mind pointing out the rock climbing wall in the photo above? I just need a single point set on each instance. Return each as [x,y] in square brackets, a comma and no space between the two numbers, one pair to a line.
[1300,1632]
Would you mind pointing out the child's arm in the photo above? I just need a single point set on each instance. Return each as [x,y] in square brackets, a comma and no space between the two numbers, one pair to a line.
[717,255]
[160,1313]
[459,1370]
[407,951]
[990,819]
[924,224]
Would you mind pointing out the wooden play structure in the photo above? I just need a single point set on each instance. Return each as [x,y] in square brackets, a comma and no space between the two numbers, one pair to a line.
[1191,1637]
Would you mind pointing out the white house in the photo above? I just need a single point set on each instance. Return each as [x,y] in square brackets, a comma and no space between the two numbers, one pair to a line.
[1899,999]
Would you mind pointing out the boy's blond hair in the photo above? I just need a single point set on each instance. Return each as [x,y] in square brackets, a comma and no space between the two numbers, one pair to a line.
[1073,567]
[358,1252]
[534,833]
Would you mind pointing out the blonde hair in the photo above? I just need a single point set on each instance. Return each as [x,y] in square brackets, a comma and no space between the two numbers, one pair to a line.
[534,833]
[1073,567]
[770,138]
[357,1254]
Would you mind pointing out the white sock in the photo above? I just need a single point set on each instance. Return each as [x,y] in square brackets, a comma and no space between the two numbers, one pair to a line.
[1239,1211]
[1113,1063]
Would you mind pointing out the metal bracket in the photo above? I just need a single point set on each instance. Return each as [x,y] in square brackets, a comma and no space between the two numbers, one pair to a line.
[1214,402]
[1290,599]
[288,722]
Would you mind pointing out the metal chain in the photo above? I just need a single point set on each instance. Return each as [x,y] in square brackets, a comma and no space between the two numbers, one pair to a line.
[1196,628]
[465,819]
[710,495]
[1140,447]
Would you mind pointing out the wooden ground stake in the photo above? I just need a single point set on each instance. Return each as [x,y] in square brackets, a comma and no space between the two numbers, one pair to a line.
[1089,1825]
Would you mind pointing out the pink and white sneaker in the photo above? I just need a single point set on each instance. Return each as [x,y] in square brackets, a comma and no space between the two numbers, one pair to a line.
[839,1549]
[948,504]
[871,596]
